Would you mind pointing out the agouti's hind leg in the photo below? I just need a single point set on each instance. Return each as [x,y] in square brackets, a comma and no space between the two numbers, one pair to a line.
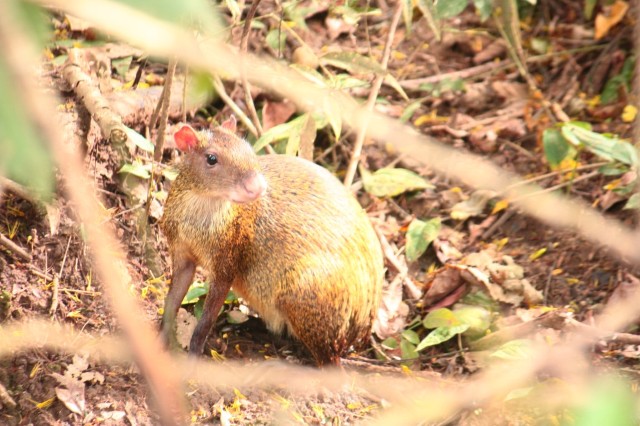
[183,271]
[212,305]
[313,328]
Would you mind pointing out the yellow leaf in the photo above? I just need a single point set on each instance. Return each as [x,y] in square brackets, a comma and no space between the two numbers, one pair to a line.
[284,403]
[354,405]
[45,404]
[609,18]
[593,102]
[432,117]
[613,184]
[317,409]
[406,370]
[239,394]
[556,272]
[217,356]
[298,417]
[35,370]
[500,205]
[572,281]
[629,113]
[501,243]
[538,254]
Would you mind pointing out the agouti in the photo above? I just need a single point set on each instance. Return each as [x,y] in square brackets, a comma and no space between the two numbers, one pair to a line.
[282,231]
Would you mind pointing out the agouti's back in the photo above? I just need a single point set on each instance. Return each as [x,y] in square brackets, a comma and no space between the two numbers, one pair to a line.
[284,232]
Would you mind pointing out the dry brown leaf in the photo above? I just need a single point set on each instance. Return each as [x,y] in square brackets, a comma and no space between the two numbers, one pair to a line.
[275,113]
[185,325]
[609,18]
[393,311]
[444,282]
[485,139]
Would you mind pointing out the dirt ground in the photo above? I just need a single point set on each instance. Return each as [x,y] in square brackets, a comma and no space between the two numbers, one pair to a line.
[572,273]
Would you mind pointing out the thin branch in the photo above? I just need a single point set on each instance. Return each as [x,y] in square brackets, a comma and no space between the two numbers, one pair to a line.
[373,95]
[244,43]
[221,91]
[10,245]
[163,103]
[19,54]
[164,110]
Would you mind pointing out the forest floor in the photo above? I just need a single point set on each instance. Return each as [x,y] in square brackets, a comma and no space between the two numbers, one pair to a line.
[490,113]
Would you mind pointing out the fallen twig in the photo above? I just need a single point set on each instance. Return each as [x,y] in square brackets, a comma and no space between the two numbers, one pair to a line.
[5,398]
[244,42]
[19,55]
[10,245]
[373,95]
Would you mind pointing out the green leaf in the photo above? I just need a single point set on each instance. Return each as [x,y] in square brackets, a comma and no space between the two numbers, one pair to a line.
[555,146]
[302,134]
[137,169]
[198,308]
[540,45]
[441,317]
[428,10]
[411,336]
[407,14]
[352,62]
[408,350]
[608,401]
[276,39]
[390,343]
[24,155]
[283,131]
[392,82]
[170,173]
[633,202]
[200,88]
[419,235]
[231,297]
[444,86]
[611,90]
[441,334]
[484,8]
[388,182]
[450,8]
[478,319]
[122,65]
[589,5]
[139,140]
[513,350]
[601,145]
[195,292]
[410,110]
[345,81]
[612,169]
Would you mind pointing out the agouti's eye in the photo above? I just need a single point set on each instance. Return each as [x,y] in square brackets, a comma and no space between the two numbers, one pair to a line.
[212,159]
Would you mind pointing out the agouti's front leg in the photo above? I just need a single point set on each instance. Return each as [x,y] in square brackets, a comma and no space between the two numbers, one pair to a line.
[217,293]
[184,269]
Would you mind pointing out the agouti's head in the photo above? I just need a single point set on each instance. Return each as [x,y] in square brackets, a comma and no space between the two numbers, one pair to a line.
[220,164]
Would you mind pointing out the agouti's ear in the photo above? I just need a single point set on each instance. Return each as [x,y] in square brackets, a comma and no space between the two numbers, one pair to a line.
[186,139]
[230,124]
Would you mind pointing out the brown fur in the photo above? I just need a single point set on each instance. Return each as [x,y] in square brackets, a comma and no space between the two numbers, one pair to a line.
[304,255]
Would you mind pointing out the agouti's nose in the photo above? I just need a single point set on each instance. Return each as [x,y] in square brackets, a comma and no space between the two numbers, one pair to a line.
[255,186]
